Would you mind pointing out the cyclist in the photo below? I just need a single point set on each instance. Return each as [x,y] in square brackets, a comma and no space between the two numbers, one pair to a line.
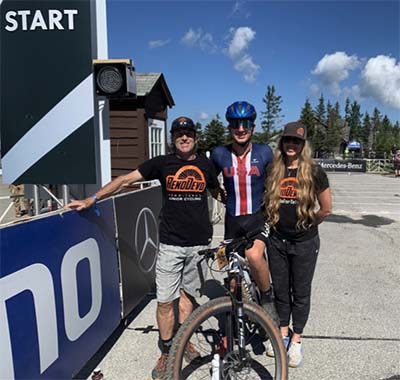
[243,164]
[185,227]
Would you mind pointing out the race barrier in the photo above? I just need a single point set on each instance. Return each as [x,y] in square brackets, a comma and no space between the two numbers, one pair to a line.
[61,278]
[342,165]
[137,227]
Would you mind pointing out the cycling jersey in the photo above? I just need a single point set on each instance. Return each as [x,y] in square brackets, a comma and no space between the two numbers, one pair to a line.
[243,177]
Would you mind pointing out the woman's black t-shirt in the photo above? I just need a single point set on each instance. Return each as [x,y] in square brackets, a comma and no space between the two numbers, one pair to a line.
[184,217]
[286,226]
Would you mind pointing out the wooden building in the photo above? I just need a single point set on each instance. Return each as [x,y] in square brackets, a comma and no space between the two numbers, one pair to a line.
[138,126]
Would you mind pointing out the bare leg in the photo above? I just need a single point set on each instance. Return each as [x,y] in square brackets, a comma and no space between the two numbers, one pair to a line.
[284,330]
[165,319]
[296,338]
[258,265]
[185,306]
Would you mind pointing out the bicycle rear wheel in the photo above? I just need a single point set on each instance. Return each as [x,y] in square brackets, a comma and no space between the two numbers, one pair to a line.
[211,330]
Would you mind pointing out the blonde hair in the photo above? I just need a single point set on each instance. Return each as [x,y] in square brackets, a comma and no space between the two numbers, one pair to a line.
[305,190]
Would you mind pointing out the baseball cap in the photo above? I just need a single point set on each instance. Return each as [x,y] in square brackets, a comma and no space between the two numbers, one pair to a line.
[295,129]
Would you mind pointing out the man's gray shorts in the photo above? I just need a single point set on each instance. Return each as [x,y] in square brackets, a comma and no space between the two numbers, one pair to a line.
[179,268]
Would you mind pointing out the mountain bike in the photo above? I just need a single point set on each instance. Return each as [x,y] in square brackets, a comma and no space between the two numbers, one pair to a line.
[229,332]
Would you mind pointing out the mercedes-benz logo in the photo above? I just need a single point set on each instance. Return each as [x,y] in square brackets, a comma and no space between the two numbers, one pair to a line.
[146,239]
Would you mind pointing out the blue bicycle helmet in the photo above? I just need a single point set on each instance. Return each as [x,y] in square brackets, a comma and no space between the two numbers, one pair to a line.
[240,110]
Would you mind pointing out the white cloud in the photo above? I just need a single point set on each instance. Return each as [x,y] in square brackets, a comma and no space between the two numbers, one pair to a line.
[380,79]
[204,116]
[158,43]
[334,68]
[238,45]
[249,69]
[204,41]
[240,41]
[314,89]
[191,37]
[239,9]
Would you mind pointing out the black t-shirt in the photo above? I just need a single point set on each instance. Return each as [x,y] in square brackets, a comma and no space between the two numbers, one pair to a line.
[286,226]
[184,218]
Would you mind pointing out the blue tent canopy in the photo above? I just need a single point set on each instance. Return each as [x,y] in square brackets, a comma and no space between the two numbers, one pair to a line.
[354,145]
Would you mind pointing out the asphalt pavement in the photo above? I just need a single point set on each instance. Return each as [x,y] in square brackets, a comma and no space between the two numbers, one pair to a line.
[353,331]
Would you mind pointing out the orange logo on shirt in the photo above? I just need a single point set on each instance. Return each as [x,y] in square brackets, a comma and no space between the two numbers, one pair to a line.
[289,188]
[189,178]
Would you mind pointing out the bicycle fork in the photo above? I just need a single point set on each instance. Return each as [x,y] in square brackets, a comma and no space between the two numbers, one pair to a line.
[240,320]
[236,326]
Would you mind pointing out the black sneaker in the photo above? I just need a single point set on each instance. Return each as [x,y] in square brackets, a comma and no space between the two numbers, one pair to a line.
[159,370]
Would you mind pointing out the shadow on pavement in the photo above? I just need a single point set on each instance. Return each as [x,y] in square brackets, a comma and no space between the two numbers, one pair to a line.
[213,289]
[366,220]
[85,372]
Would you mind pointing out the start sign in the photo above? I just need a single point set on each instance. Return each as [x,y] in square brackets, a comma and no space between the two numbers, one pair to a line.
[36,20]
[47,103]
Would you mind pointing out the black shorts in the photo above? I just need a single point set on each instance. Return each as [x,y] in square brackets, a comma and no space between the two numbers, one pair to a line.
[237,226]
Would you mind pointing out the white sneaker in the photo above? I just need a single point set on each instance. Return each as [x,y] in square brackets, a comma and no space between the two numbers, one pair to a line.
[295,354]
[270,350]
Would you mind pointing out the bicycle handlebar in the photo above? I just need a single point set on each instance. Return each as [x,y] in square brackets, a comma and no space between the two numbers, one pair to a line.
[236,242]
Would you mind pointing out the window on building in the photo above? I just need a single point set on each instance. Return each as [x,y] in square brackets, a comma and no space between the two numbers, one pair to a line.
[156,137]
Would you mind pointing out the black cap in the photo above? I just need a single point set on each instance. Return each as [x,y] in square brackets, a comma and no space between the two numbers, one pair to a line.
[295,129]
[182,122]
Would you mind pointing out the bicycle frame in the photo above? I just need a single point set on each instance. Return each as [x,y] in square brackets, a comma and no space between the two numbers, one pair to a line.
[237,267]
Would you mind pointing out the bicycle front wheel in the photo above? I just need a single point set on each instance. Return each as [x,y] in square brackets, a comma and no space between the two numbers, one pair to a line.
[211,329]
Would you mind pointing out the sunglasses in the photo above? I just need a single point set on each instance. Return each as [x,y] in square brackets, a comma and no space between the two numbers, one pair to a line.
[187,133]
[237,123]
[292,140]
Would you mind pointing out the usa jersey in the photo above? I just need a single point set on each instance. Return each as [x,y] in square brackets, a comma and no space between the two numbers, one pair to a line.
[243,177]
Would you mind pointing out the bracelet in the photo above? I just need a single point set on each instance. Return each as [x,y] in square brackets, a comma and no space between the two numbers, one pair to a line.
[94,197]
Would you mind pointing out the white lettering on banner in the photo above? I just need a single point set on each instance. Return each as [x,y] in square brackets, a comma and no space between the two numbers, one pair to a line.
[75,326]
[38,20]
[38,279]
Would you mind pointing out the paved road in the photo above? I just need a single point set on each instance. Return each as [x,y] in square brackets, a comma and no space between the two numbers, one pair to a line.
[353,332]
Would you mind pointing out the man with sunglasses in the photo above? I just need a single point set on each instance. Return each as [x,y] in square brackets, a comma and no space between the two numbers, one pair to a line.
[185,227]
[243,165]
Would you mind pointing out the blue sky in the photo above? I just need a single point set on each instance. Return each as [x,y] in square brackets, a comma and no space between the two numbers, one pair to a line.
[213,53]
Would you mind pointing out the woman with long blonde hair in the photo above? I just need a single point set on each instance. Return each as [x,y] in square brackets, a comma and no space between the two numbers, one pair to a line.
[295,185]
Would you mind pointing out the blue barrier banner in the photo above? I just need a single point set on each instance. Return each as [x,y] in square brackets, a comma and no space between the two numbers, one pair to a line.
[59,293]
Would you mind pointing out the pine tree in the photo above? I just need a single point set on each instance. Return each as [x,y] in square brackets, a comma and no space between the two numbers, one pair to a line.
[347,111]
[385,137]
[200,138]
[333,128]
[320,110]
[355,122]
[366,136]
[376,125]
[308,119]
[214,134]
[320,132]
[272,116]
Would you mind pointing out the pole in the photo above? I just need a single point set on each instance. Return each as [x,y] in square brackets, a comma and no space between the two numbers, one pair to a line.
[65,194]
[36,200]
